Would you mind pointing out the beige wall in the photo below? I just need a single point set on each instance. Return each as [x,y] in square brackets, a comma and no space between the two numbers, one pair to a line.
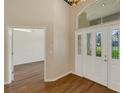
[53,14]
[29,13]
[61,37]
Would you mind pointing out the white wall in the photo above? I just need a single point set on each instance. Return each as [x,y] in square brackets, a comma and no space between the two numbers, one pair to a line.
[28,46]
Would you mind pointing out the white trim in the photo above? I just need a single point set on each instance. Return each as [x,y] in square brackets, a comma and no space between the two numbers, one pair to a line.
[27,27]
[72,72]
[100,25]
[7,82]
[61,76]
[114,86]
[45,54]
[9,56]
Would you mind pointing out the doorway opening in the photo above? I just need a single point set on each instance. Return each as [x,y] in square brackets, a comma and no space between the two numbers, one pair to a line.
[26,53]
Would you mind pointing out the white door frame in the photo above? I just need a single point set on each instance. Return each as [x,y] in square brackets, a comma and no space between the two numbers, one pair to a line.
[10,51]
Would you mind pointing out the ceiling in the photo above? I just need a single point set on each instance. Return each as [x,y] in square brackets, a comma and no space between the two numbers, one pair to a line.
[67,2]
[102,8]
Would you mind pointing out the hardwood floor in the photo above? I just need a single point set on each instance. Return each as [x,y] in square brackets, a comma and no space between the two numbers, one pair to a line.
[29,79]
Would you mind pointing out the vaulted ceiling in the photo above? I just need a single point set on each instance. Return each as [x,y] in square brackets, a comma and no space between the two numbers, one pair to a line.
[102,8]
[68,2]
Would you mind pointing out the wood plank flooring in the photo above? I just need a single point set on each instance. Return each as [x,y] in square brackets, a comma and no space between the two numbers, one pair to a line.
[29,79]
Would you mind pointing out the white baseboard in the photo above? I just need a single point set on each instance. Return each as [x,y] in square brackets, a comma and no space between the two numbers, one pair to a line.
[54,79]
[6,83]
[73,72]
[76,74]
[114,86]
[24,63]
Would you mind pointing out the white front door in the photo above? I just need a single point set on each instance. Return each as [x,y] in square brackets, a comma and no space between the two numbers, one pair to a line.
[96,55]
[100,57]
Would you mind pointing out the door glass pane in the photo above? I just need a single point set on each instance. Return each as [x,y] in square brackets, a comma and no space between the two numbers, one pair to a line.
[115,43]
[79,44]
[98,44]
[89,52]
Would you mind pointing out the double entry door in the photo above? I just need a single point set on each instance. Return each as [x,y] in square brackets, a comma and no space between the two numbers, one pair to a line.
[97,55]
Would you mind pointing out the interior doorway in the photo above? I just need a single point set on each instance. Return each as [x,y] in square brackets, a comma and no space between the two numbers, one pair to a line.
[27,52]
